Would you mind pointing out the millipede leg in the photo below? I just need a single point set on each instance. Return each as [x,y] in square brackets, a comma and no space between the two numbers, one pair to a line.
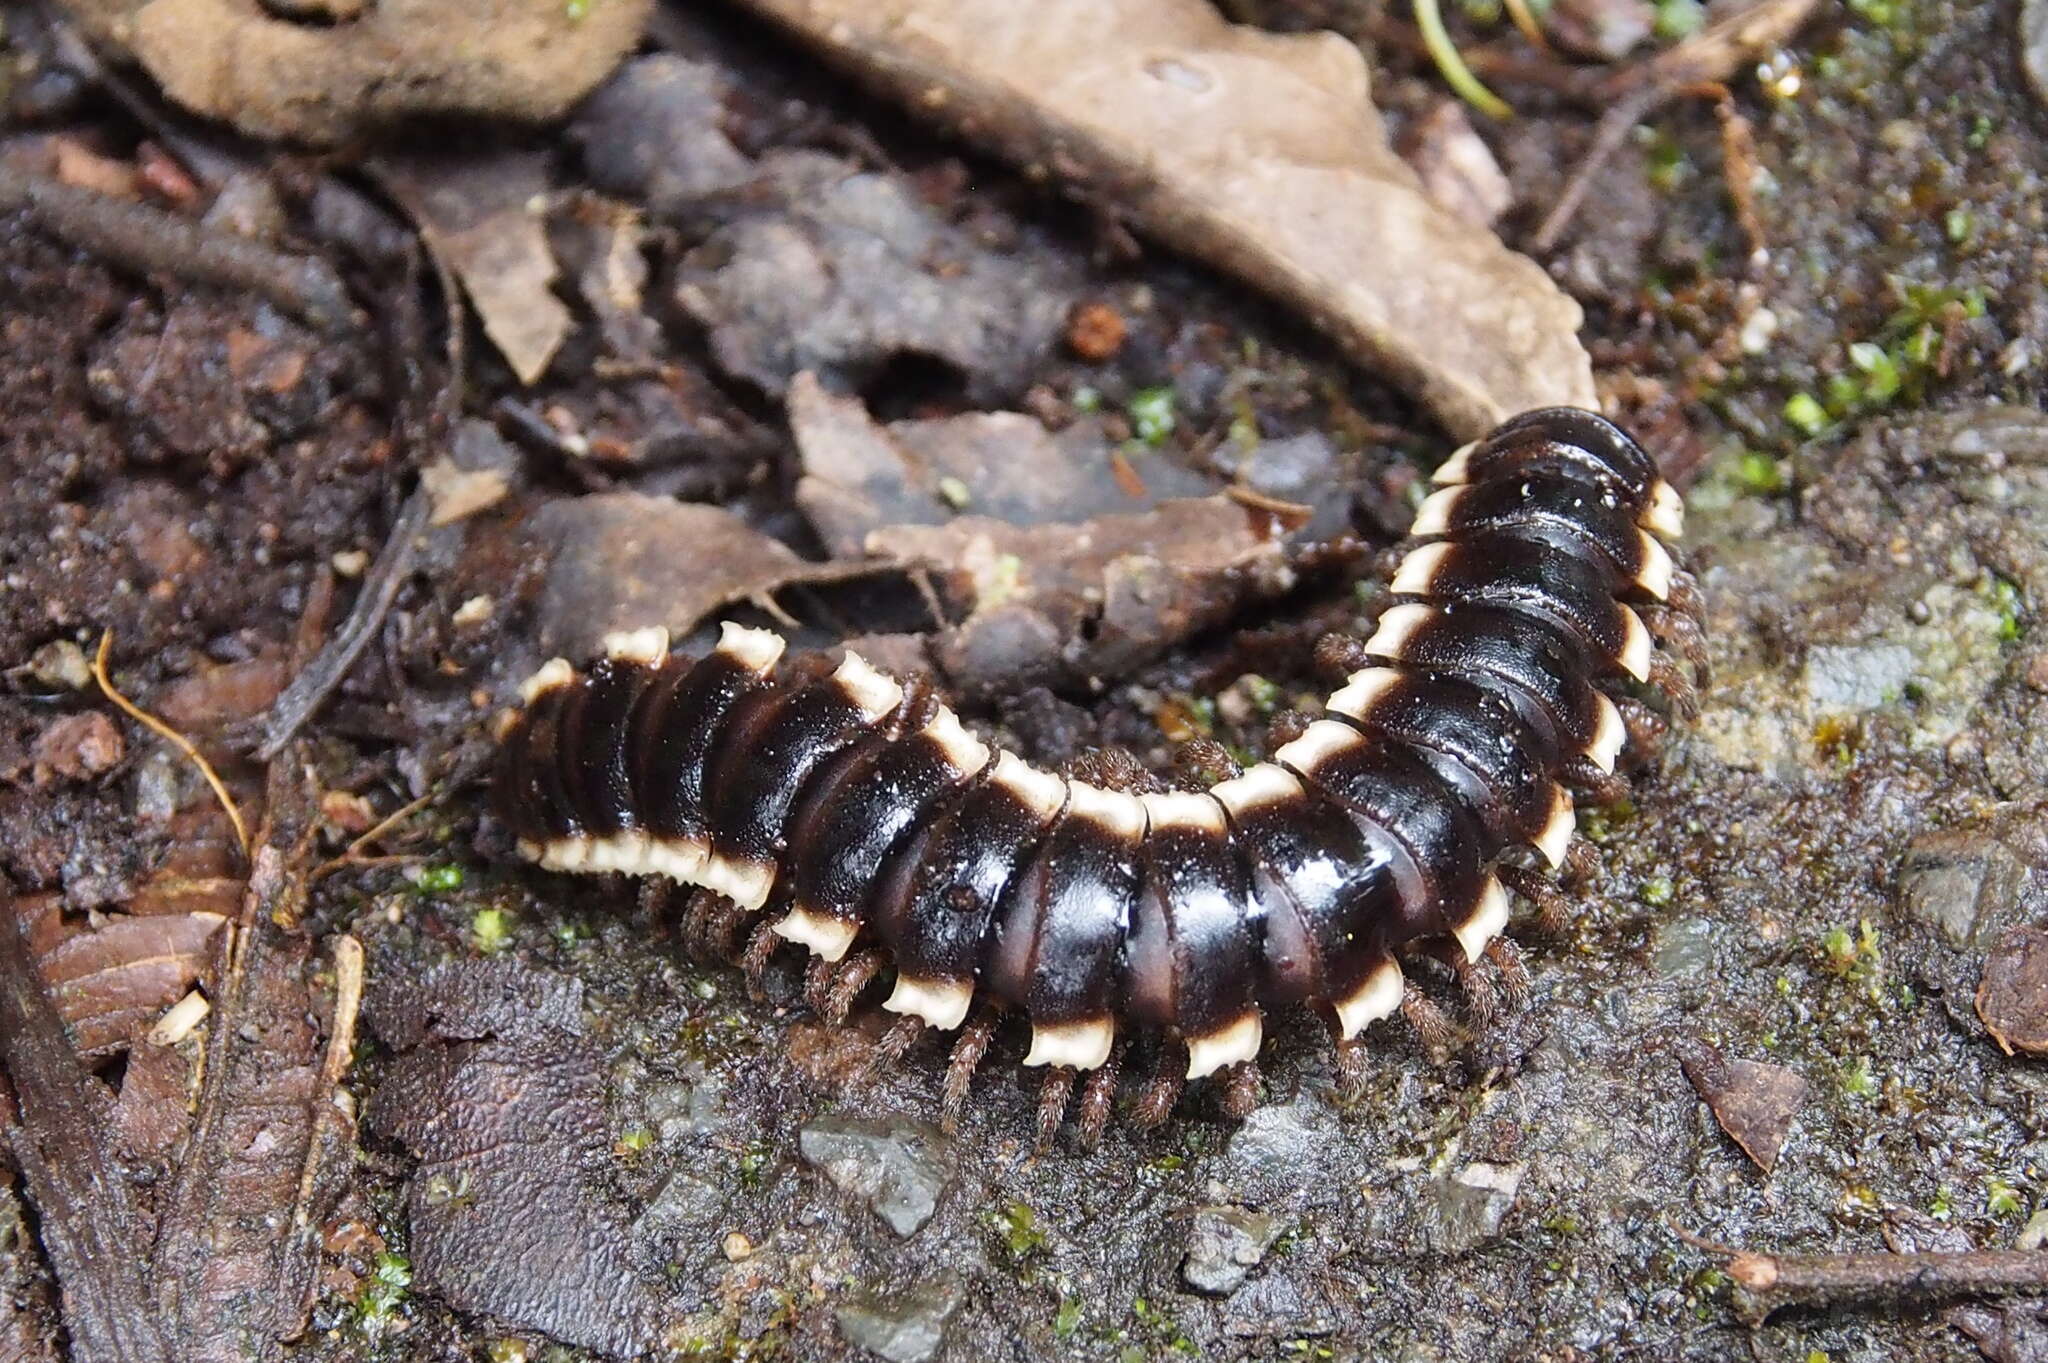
[1513,970]
[1646,728]
[761,946]
[1675,629]
[1162,1089]
[1052,1105]
[696,918]
[1685,598]
[818,974]
[1241,1086]
[893,1045]
[1605,787]
[968,1050]
[1669,678]
[1553,909]
[655,892]
[1351,1070]
[853,975]
[1338,655]
[1098,1101]
[1476,983]
[1205,762]
[1430,1022]
[1581,861]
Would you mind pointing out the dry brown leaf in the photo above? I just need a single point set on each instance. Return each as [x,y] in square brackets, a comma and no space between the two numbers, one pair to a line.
[1259,152]
[1754,1102]
[478,215]
[326,82]
[2012,999]
[1069,603]
[623,560]
[109,982]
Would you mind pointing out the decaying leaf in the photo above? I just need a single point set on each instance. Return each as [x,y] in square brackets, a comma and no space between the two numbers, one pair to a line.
[503,1106]
[1754,1102]
[860,476]
[840,271]
[1259,152]
[480,215]
[622,560]
[325,82]
[2013,997]
[1068,603]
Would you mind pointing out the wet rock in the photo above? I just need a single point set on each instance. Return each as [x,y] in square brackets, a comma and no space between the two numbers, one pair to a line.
[682,1223]
[902,1327]
[840,272]
[679,1111]
[1684,948]
[1224,1245]
[1849,677]
[1285,1149]
[2012,1000]
[1754,1102]
[1470,1205]
[2016,1332]
[652,132]
[896,1165]
[1965,883]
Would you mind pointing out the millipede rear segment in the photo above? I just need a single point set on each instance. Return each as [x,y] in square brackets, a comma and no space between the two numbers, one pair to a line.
[835,811]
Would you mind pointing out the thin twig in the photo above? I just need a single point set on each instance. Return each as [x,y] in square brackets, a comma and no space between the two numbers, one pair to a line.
[178,740]
[150,240]
[299,700]
[1769,1281]
[351,855]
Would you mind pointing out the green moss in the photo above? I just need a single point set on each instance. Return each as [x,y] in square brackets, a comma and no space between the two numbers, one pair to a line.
[1069,1318]
[440,878]
[1679,19]
[1805,412]
[1152,417]
[1017,1226]
[1657,891]
[1086,399]
[1858,1079]
[384,1291]
[491,930]
[2001,1199]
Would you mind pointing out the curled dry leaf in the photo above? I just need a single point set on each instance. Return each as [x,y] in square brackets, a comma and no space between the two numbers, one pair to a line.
[1259,152]
[478,215]
[111,979]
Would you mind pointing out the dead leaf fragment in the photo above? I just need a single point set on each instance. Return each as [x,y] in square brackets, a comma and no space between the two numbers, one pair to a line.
[1259,152]
[480,215]
[458,493]
[77,747]
[623,560]
[2012,999]
[503,1106]
[326,81]
[1754,1102]
[860,476]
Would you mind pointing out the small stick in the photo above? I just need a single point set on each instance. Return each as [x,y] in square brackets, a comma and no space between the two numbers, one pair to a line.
[165,731]
[1770,1281]
[151,240]
[300,699]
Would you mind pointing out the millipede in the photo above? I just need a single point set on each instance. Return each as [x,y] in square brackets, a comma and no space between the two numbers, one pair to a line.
[1538,632]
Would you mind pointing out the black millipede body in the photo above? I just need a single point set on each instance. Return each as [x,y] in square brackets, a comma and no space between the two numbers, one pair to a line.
[879,833]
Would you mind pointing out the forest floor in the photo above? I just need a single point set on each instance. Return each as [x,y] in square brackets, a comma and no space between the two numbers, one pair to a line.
[327,545]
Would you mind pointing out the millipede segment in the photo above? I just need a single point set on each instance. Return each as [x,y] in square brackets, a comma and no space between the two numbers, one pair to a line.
[830,807]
